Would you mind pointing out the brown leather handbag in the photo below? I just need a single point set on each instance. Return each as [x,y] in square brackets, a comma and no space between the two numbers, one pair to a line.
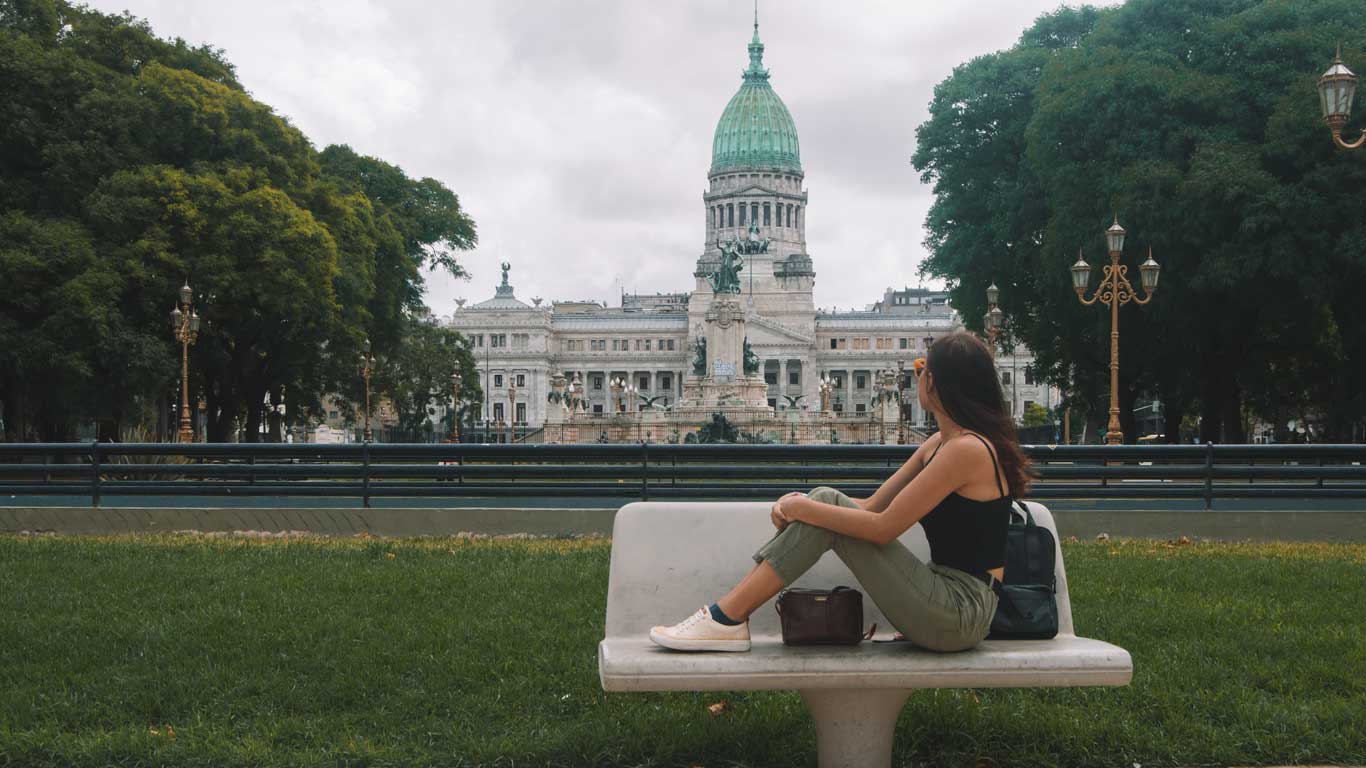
[822,616]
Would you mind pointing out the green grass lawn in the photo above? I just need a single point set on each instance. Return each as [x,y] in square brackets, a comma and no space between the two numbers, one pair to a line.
[453,652]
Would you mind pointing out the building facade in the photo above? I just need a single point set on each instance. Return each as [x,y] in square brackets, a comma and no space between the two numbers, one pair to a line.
[755,205]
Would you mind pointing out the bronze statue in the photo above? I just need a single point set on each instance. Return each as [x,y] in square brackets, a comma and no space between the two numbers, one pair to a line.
[726,278]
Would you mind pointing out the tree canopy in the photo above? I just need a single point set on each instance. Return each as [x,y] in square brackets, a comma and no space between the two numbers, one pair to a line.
[1197,122]
[129,165]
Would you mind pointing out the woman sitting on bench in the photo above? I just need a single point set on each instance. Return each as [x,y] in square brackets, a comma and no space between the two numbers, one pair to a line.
[958,485]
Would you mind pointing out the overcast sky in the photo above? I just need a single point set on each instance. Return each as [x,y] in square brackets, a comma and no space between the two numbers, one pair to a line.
[578,135]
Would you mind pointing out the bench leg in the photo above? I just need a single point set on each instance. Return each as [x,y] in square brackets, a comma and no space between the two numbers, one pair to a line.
[854,726]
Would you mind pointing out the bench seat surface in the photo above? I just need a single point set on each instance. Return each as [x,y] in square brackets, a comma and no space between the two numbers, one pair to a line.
[636,664]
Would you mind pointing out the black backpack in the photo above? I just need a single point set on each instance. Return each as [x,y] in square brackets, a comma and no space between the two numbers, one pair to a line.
[1028,605]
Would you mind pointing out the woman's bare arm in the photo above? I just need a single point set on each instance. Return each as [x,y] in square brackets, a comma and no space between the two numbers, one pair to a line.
[914,501]
[901,478]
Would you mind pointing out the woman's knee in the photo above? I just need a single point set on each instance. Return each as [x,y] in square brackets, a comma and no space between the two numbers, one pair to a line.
[824,494]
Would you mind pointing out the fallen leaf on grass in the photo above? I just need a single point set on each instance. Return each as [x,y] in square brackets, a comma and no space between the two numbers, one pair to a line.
[719,708]
[389,555]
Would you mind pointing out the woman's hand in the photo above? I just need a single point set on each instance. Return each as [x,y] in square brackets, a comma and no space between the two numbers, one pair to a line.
[776,513]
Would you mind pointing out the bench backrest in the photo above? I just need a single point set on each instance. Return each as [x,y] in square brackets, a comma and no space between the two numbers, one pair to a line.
[671,557]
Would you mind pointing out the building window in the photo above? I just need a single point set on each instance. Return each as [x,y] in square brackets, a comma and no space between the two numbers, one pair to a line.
[332,414]
[833,345]
[521,413]
[665,382]
[839,407]
[597,382]
[1029,375]
[773,403]
[860,408]
[905,343]
[798,212]
[497,411]
[1027,405]
[521,379]
[767,217]
[839,381]
[794,377]
[861,342]
[778,214]
[644,383]
[743,209]
[770,377]
[860,381]
[789,216]
[730,215]
[647,345]
[1005,377]
[754,212]
[597,408]
[498,380]
[928,341]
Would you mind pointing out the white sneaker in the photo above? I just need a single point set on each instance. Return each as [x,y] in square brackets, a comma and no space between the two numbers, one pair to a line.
[700,632]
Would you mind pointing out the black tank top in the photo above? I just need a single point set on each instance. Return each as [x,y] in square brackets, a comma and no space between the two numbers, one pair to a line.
[967,534]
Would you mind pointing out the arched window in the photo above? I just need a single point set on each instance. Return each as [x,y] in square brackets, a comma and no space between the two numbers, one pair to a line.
[778,214]
[767,215]
[754,212]
[730,214]
[743,208]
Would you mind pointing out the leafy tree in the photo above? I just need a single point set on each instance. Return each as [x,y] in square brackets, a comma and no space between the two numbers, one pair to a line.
[1197,122]
[131,164]
[418,376]
[1036,416]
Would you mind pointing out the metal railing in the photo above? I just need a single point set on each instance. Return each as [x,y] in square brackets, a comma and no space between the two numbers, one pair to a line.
[650,470]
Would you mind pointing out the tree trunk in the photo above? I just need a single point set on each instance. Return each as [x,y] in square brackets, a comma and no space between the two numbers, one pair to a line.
[1173,411]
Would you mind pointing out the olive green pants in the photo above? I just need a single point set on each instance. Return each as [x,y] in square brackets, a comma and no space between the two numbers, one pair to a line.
[934,606]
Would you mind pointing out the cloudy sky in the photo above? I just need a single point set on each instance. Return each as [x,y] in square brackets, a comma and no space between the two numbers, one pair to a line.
[578,135]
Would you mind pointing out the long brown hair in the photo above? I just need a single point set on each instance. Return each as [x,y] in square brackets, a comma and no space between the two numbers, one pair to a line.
[969,390]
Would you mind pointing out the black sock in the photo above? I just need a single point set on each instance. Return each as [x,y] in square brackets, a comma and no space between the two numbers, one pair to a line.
[720,617]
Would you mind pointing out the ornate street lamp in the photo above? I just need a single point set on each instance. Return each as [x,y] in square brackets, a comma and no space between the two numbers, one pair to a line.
[1337,88]
[512,409]
[367,364]
[992,319]
[455,407]
[827,384]
[1113,291]
[185,326]
[616,385]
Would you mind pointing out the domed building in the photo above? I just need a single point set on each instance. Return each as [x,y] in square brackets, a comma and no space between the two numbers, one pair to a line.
[636,356]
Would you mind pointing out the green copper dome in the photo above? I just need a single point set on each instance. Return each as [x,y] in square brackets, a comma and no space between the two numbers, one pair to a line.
[756,129]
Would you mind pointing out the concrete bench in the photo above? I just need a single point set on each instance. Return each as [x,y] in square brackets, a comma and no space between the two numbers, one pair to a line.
[669,558]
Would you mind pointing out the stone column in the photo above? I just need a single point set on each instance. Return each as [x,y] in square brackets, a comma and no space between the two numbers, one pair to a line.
[782,379]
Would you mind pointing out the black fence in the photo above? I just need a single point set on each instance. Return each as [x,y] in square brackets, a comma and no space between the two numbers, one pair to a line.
[650,470]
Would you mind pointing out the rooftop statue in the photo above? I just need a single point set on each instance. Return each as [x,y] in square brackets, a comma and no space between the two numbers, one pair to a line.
[726,278]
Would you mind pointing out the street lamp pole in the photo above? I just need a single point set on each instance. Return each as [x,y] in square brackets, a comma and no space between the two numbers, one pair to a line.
[367,364]
[1337,87]
[512,409]
[1113,291]
[185,325]
[455,407]
[993,318]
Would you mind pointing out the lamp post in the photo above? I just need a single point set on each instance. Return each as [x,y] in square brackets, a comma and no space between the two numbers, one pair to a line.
[993,318]
[616,385]
[901,402]
[1337,87]
[512,409]
[1114,290]
[827,384]
[455,407]
[185,325]
[367,364]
